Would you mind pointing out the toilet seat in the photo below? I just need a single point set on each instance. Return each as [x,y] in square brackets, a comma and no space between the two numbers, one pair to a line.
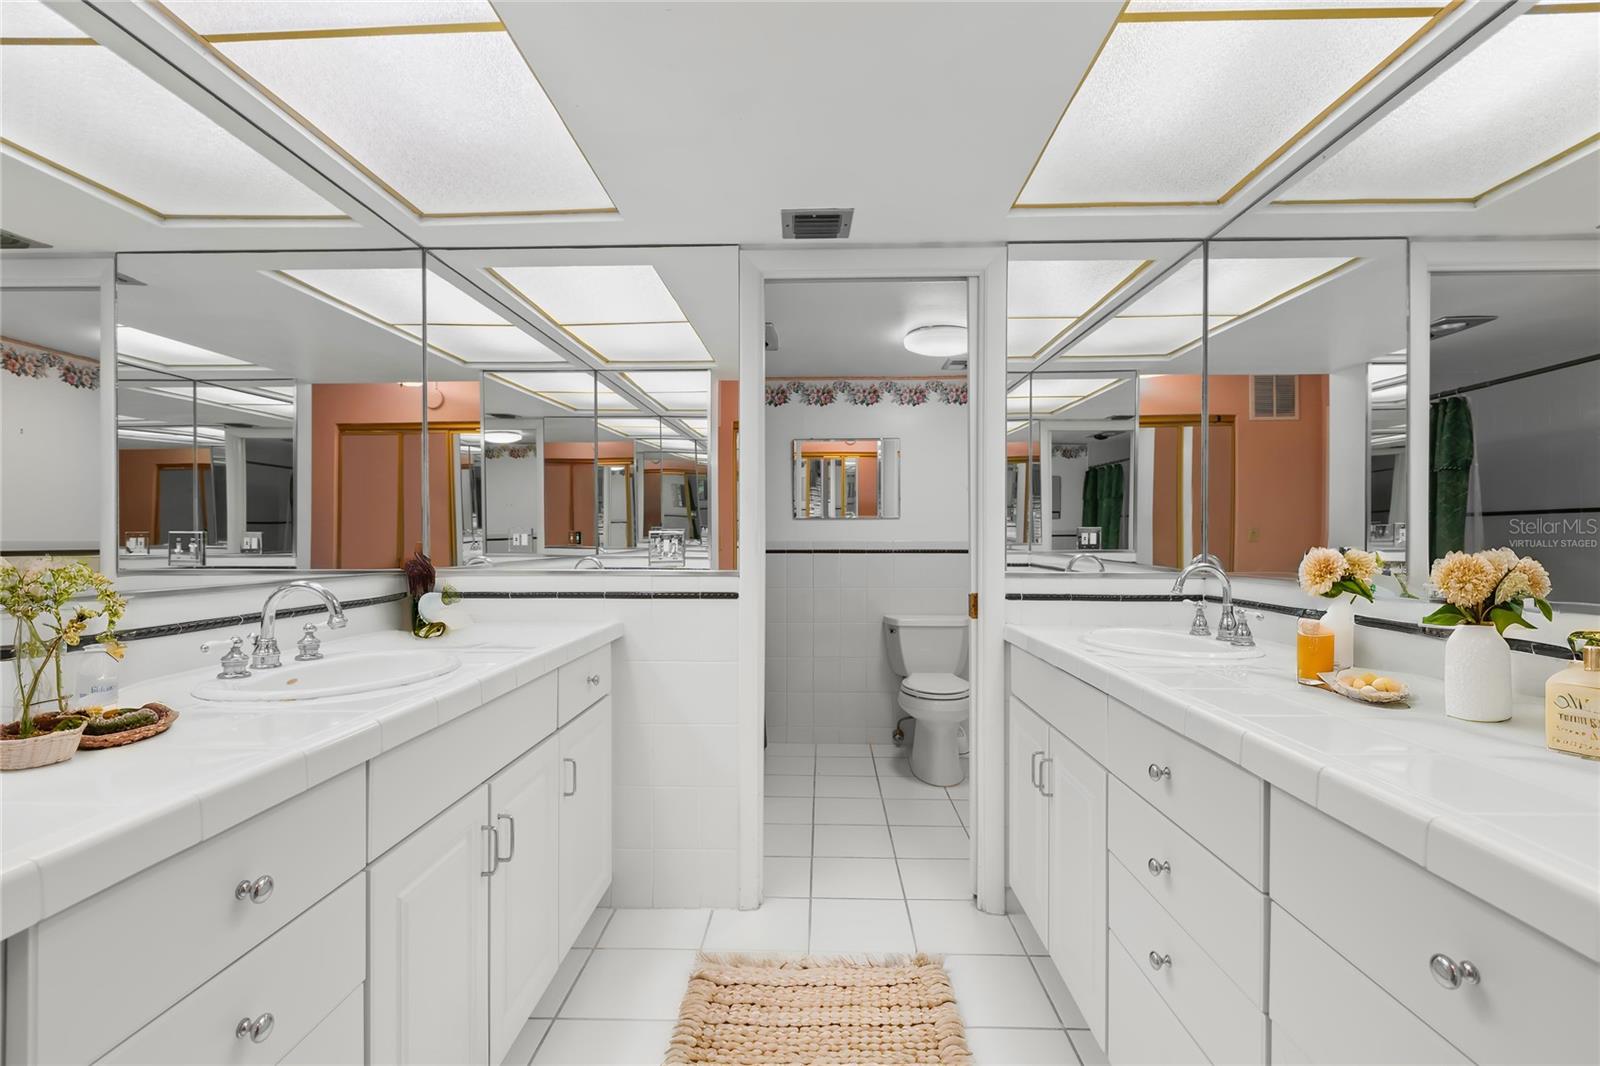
[936,687]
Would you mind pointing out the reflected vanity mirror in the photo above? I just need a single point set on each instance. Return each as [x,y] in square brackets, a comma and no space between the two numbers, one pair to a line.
[846,478]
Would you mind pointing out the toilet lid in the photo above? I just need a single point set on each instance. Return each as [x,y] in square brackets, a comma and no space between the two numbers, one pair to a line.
[935,686]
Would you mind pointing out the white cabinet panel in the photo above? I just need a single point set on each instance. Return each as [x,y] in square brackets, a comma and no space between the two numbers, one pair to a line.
[583,682]
[429,922]
[1140,1027]
[585,867]
[1076,935]
[524,804]
[277,986]
[1324,1010]
[1069,706]
[1028,821]
[340,1039]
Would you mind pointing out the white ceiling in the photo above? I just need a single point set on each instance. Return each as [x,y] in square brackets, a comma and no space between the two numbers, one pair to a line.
[1543,318]
[853,328]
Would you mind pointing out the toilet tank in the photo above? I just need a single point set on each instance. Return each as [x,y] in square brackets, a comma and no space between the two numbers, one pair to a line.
[926,643]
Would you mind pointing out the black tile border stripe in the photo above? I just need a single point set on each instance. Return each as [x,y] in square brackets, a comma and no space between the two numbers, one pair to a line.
[867,551]
[546,594]
[1548,651]
[201,625]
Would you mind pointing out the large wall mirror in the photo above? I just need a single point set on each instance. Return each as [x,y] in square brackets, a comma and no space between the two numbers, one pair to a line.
[847,477]
[1514,420]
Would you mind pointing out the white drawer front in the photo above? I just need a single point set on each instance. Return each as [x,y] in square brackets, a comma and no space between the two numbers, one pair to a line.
[131,968]
[1217,1014]
[419,779]
[1324,1010]
[1214,801]
[297,976]
[1220,909]
[583,682]
[1535,999]
[340,1039]
[1075,709]
[1140,1028]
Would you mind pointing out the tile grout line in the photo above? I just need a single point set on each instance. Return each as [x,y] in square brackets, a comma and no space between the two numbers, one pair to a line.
[568,994]
[893,851]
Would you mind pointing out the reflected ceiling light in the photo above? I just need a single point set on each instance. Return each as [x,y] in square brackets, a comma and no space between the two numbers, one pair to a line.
[618,313]
[1519,103]
[574,390]
[1045,298]
[81,113]
[1220,89]
[164,351]
[1450,325]
[937,342]
[434,103]
[675,390]
[494,436]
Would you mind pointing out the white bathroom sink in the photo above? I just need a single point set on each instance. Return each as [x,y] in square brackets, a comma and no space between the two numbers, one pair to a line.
[1166,644]
[337,675]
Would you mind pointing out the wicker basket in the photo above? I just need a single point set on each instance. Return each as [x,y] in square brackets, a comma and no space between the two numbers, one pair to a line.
[40,750]
[132,736]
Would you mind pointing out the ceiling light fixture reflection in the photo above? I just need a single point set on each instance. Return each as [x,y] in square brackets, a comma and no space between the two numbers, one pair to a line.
[619,313]
[494,436]
[937,342]
[1450,325]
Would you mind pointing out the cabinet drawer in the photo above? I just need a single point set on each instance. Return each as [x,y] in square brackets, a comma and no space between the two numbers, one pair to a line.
[298,975]
[1217,1014]
[1073,708]
[140,946]
[1213,800]
[1140,1027]
[1367,1026]
[582,682]
[419,779]
[1220,909]
[1535,998]
[340,1039]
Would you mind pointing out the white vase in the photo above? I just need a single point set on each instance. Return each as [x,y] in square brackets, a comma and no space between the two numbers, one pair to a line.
[1340,620]
[1477,674]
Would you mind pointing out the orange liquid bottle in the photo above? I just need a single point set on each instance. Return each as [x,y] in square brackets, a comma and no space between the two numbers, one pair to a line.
[1313,651]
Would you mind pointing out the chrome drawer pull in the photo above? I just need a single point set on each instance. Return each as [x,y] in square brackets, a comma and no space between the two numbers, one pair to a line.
[257,891]
[1158,772]
[511,850]
[257,1030]
[1044,763]
[1157,868]
[1158,960]
[1452,974]
[574,791]
[1035,774]
[594,679]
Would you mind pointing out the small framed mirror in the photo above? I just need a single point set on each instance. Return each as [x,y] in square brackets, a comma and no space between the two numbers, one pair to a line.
[857,477]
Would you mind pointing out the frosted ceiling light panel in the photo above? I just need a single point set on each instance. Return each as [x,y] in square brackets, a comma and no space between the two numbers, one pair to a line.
[390,295]
[1065,288]
[487,344]
[1525,99]
[623,314]
[1186,102]
[1027,337]
[432,101]
[1237,285]
[154,348]
[633,427]
[655,342]
[79,111]
[683,390]
[1138,338]
[1053,395]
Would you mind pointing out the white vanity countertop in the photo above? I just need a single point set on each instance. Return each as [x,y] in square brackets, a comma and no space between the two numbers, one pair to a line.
[1486,807]
[67,831]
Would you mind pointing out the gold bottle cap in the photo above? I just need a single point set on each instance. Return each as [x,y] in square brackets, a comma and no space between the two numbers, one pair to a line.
[1585,645]
[1591,657]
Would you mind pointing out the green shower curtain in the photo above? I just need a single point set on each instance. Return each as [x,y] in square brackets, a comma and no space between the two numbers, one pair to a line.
[1102,502]
[1091,497]
[1449,474]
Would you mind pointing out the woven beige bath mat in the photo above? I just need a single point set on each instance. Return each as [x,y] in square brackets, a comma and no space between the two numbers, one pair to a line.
[742,1010]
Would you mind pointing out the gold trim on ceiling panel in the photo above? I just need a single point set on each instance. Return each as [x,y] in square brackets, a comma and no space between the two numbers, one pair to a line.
[638,364]
[1118,287]
[1433,13]
[210,41]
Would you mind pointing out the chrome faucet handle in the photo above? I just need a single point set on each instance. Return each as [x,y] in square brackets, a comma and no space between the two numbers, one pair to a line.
[234,659]
[308,646]
[1199,627]
[1227,625]
[1242,637]
[265,655]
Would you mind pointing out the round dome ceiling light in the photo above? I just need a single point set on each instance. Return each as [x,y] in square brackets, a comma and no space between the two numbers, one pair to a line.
[494,436]
[937,342]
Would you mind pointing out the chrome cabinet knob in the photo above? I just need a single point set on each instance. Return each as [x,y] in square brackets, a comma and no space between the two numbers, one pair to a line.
[1159,961]
[594,679]
[1158,772]
[1452,974]
[1158,867]
[257,1029]
[257,891]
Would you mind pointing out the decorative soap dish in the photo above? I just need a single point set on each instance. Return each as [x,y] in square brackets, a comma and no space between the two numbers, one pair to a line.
[165,716]
[1360,685]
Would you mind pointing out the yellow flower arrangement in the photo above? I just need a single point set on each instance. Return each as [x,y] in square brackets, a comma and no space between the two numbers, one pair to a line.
[39,596]
[1488,588]
[1332,573]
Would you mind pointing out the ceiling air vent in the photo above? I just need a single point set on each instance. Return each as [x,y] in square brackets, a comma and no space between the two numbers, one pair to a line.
[15,242]
[957,363]
[1450,325]
[817,223]
[1274,396]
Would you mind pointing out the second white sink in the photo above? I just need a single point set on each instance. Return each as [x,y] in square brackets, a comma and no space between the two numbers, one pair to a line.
[343,675]
[1166,644]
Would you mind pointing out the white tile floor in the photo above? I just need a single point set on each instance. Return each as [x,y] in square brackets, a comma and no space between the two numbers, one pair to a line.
[862,858]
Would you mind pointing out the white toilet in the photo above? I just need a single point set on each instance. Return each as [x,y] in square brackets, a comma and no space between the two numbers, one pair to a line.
[926,651]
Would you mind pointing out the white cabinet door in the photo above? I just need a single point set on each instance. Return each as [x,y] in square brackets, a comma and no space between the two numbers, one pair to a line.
[1076,788]
[1027,834]
[585,867]
[524,804]
[428,982]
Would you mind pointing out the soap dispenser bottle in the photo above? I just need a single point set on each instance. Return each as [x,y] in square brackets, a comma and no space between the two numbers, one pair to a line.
[1572,700]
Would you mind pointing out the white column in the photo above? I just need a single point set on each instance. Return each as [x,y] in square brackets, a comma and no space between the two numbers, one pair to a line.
[1418,460]
[1347,457]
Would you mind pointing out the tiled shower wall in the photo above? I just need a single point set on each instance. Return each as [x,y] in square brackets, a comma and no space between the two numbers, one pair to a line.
[828,676]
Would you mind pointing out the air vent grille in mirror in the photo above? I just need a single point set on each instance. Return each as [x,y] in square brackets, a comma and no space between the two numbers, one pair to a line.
[817,223]
[1274,396]
[15,242]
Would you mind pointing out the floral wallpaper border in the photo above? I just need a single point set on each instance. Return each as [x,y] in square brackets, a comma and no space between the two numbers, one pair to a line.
[25,361]
[906,392]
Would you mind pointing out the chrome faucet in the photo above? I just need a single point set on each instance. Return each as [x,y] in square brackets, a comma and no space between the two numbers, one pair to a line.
[595,559]
[1072,561]
[1228,626]
[266,654]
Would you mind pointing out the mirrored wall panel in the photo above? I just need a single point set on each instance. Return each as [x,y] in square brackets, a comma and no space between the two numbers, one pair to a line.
[265,421]
[1514,417]
[857,477]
